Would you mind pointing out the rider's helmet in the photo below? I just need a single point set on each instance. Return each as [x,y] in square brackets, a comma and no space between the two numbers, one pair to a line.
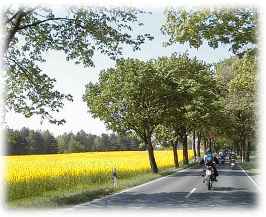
[209,158]
[209,155]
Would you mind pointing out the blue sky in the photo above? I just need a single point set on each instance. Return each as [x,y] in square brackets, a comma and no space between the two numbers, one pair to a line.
[72,78]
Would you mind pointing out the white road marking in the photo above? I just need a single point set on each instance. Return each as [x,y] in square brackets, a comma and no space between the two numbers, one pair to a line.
[191,192]
[252,180]
[129,189]
[147,183]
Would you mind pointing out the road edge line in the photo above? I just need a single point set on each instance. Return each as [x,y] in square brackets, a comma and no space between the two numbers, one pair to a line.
[251,179]
[129,189]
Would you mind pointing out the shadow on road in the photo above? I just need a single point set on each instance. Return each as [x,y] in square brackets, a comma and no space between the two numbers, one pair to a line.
[199,172]
[238,199]
[227,189]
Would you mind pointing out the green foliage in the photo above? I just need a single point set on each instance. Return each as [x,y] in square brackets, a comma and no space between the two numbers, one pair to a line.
[78,32]
[165,136]
[162,97]
[193,93]
[127,97]
[26,141]
[16,142]
[233,27]
[244,72]
[239,100]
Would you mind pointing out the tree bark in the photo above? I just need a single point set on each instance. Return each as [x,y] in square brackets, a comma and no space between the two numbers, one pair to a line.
[194,144]
[238,148]
[184,142]
[242,150]
[174,146]
[248,150]
[198,144]
[205,145]
[152,160]
[242,153]
[11,33]
[210,144]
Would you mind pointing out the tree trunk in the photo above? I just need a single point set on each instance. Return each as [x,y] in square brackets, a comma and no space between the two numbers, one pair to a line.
[235,147]
[238,148]
[11,33]
[153,164]
[242,151]
[184,142]
[210,144]
[214,148]
[194,144]
[174,146]
[248,150]
[198,144]
[205,145]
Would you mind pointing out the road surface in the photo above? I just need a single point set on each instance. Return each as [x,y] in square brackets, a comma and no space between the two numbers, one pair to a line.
[185,189]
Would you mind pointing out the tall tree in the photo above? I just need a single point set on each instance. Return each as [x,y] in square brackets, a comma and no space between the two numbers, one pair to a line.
[36,143]
[51,142]
[78,32]
[82,138]
[16,143]
[128,99]
[240,101]
[191,90]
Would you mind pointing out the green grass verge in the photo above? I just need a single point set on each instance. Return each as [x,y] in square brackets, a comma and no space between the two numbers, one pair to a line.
[85,192]
[251,165]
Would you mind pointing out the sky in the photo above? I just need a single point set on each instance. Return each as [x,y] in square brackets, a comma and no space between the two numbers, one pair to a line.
[72,78]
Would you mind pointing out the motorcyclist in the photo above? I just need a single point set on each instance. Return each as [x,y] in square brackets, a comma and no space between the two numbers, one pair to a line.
[209,161]
[215,158]
[222,157]
[232,157]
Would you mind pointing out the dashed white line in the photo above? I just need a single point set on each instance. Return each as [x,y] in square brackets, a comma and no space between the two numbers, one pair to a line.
[191,192]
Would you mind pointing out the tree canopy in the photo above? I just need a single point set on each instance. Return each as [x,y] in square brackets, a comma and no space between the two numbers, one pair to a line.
[233,27]
[128,99]
[137,96]
[78,32]
[239,81]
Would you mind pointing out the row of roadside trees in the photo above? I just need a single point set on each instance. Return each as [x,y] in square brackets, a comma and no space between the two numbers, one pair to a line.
[166,98]
[237,77]
[174,94]
[170,97]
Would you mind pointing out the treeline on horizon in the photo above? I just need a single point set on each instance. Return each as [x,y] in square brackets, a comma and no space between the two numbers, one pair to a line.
[27,141]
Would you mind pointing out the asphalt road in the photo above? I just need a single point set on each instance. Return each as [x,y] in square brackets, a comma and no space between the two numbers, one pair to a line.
[185,189]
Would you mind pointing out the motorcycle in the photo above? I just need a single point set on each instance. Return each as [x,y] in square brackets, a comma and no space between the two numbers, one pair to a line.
[232,163]
[209,177]
[222,160]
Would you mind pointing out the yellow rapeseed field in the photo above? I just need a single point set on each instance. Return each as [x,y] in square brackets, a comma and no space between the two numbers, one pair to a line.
[30,175]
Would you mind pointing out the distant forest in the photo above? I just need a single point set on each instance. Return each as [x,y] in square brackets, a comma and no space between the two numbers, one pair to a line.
[27,141]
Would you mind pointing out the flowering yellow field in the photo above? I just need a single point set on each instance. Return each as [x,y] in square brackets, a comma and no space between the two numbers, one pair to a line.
[30,175]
